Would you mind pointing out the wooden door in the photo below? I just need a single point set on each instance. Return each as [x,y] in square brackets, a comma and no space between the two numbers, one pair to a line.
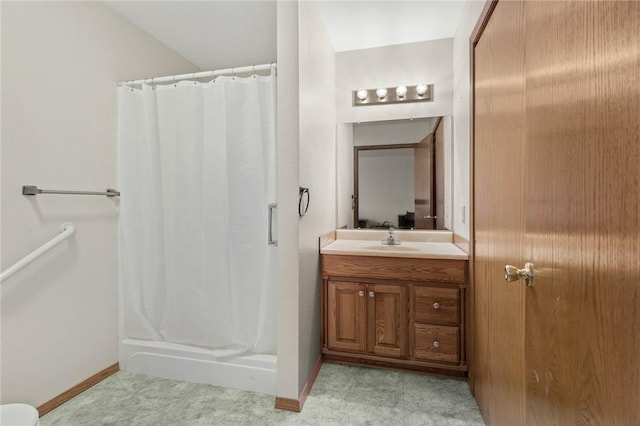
[498,365]
[583,212]
[387,319]
[423,184]
[572,184]
[346,317]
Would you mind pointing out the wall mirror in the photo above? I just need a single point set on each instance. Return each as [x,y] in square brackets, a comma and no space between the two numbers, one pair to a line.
[401,174]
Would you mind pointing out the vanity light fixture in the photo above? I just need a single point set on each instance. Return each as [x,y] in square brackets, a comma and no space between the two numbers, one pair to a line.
[393,95]
[362,94]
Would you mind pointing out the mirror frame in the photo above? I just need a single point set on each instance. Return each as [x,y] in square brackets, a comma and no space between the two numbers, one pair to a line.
[356,156]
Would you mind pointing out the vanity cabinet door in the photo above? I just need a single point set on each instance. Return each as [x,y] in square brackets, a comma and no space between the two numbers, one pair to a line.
[387,312]
[346,319]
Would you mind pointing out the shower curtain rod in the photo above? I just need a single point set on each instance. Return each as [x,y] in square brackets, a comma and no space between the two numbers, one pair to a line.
[202,74]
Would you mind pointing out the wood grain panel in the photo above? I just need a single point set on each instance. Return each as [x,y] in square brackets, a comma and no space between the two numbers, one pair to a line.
[436,342]
[446,271]
[387,319]
[426,310]
[583,212]
[498,216]
[346,319]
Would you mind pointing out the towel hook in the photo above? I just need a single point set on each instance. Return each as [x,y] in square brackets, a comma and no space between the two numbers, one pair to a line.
[303,201]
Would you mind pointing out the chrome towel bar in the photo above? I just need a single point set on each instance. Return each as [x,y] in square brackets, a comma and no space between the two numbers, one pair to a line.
[34,190]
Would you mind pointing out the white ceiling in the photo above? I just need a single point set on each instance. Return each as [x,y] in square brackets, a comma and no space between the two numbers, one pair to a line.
[364,24]
[218,34]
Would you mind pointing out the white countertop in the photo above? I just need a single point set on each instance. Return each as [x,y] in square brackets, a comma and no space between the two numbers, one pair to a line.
[414,244]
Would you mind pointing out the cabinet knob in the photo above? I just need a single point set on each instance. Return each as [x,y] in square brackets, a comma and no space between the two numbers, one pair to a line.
[436,306]
[361,293]
[371,294]
[436,344]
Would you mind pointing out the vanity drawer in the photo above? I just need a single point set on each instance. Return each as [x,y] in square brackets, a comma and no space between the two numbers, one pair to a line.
[436,305]
[436,343]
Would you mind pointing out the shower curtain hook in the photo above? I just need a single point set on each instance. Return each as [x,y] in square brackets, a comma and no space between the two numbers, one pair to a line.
[233,73]
[254,70]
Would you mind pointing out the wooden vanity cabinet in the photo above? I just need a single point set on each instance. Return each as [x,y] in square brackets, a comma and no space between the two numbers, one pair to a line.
[394,312]
[367,318]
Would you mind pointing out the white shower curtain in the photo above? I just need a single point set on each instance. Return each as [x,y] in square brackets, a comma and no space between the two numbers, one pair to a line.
[196,174]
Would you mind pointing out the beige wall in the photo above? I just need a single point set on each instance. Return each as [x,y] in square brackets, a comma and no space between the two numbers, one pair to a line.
[306,157]
[423,62]
[287,184]
[461,117]
[60,65]
[317,172]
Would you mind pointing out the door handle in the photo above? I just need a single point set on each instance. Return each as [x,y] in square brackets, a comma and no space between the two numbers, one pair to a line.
[430,217]
[270,240]
[511,273]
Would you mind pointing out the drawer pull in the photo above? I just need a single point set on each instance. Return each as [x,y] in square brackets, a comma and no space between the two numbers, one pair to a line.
[371,294]
[361,293]
[436,306]
[436,344]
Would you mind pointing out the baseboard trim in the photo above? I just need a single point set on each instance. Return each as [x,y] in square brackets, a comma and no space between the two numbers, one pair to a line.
[310,381]
[296,405]
[77,389]
[288,404]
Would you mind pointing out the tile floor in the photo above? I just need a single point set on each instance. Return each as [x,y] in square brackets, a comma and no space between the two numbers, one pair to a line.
[341,395]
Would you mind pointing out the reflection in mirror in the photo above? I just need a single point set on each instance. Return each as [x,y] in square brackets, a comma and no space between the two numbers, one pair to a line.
[400,174]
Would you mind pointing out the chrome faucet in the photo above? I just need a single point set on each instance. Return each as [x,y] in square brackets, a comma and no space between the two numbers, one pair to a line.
[391,239]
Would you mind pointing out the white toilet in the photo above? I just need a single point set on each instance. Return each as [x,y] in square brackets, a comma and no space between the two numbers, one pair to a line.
[18,415]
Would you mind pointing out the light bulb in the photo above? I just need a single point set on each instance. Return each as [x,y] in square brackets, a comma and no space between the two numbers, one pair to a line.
[381,92]
[361,94]
[401,91]
[421,89]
